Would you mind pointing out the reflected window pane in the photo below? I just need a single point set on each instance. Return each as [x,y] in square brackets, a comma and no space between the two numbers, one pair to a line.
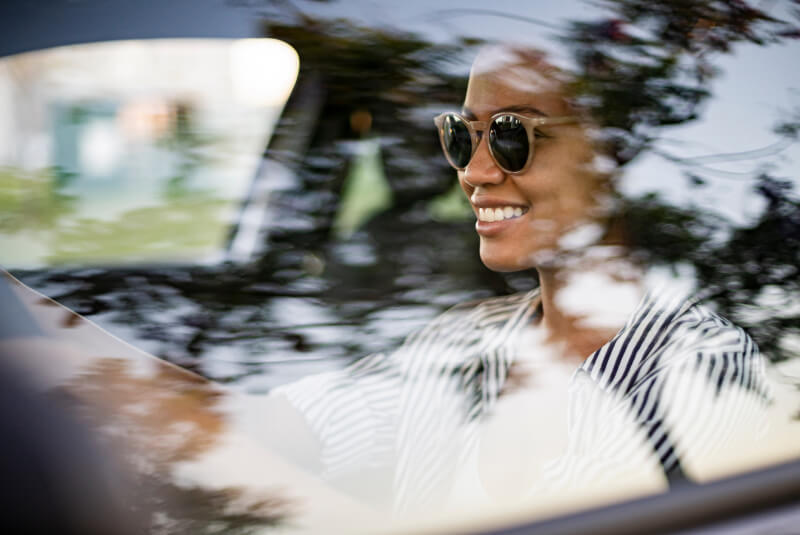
[133,150]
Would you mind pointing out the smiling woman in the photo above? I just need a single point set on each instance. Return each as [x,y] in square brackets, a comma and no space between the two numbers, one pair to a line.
[544,171]
[558,313]
[553,195]
[431,419]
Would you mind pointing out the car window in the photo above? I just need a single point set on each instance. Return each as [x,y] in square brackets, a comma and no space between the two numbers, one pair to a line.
[114,150]
[441,268]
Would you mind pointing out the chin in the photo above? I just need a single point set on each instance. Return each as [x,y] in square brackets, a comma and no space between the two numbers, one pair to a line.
[502,264]
[507,259]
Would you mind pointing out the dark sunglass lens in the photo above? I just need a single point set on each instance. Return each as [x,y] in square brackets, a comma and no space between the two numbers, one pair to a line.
[457,141]
[509,142]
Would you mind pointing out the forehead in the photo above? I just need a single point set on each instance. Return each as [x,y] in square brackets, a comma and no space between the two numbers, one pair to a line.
[501,79]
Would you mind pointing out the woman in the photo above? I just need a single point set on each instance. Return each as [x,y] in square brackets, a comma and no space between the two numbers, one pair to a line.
[408,428]
[538,198]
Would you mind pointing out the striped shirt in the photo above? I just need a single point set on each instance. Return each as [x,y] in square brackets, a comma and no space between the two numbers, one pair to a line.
[407,421]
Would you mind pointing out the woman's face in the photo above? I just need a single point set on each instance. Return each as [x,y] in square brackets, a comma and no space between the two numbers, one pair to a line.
[556,193]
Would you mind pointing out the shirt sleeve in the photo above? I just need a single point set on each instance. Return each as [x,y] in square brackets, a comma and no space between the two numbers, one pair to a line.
[683,408]
[699,395]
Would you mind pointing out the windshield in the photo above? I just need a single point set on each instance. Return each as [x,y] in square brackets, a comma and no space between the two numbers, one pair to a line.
[448,267]
[112,152]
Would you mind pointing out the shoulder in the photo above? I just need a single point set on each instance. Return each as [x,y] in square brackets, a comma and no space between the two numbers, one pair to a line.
[696,341]
[675,320]
[685,318]
[698,327]
[671,331]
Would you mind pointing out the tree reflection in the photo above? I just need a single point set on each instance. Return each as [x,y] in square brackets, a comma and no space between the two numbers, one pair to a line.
[754,276]
[639,68]
[647,66]
[154,422]
[384,75]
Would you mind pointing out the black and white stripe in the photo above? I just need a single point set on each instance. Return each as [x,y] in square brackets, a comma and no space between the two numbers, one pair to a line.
[413,414]
[684,376]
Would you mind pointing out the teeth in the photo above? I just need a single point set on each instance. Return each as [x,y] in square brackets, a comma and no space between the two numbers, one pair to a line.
[499,214]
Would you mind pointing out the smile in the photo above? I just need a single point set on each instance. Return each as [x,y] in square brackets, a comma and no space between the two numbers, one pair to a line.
[500,213]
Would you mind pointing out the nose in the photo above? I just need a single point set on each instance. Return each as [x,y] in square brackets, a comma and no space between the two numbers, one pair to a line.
[482,169]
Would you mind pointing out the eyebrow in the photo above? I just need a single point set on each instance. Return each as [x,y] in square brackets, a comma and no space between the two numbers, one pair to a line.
[466,112]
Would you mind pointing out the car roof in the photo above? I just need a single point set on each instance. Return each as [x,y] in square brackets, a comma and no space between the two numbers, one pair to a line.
[27,26]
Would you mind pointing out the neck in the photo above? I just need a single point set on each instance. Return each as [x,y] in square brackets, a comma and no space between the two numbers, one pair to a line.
[586,300]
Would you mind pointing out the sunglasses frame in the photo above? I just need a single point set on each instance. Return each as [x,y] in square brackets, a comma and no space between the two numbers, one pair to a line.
[476,129]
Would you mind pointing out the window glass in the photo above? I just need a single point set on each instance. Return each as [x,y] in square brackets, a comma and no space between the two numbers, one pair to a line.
[135,150]
[438,268]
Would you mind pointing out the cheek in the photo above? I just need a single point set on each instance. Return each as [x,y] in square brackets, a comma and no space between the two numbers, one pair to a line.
[560,182]
[465,187]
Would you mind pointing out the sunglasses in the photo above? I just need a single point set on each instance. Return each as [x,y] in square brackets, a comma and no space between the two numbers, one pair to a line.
[511,138]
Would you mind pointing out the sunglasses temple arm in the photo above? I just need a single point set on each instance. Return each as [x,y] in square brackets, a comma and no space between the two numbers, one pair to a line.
[557,120]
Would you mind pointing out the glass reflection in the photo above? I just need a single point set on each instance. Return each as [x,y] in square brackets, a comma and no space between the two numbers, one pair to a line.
[116,150]
[650,381]
[178,461]
[492,406]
